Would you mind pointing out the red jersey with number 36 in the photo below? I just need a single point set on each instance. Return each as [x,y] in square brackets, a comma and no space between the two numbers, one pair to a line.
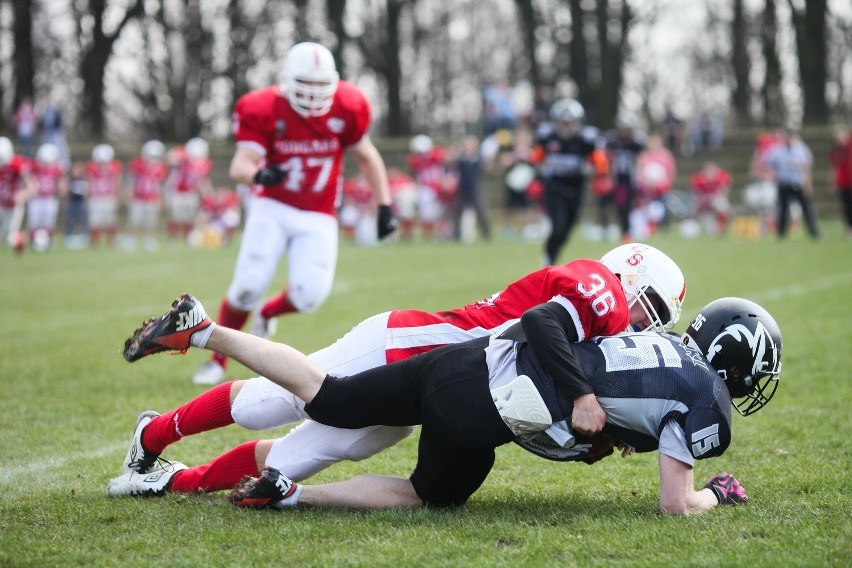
[308,148]
[588,290]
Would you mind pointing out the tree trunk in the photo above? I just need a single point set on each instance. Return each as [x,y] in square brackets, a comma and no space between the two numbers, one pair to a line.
[302,33]
[579,64]
[397,122]
[774,112]
[812,53]
[335,10]
[529,24]
[24,62]
[741,64]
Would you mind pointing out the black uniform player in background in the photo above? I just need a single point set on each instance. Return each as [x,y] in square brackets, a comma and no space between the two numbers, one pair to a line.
[566,153]
[660,393]
[623,146]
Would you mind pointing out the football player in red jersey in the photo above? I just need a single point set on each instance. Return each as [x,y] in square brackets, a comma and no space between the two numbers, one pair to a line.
[104,174]
[49,183]
[147,173]
[710,186]
[14,176]
[188,181]
[291,140]
[633,285]
[427,164]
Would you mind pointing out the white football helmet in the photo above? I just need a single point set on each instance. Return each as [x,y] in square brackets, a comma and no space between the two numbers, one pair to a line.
[6,151]
[153,150]
[568,116]
[48,154]
[647,274]
[310,78]
[421,144]
[103,153]
[197,149]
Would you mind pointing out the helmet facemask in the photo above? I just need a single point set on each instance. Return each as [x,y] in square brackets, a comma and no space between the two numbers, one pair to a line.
[662,314]
[311,98]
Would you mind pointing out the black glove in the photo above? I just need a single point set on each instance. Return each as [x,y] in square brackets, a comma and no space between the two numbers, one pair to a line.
[727,489]
[387,222]
[269,176]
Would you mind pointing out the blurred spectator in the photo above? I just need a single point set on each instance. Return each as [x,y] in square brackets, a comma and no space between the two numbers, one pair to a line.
[623,146]
[520,175]
[655,175]
[427,164]
[672,129]
[840,159]
[104,175]
[218,218]
[469,205]
[790,161]
[147,173]
[42,196]
[53,131]
[76,210]
[710,186]
[498,109]
[707,132]
[14,174]
[26,125]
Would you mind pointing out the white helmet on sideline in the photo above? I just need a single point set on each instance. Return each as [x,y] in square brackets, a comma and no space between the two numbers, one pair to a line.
[310,78]
[103,153]
[153,150]
[48,154]
[6,150]
[421,144]
[645,271]
[197,149]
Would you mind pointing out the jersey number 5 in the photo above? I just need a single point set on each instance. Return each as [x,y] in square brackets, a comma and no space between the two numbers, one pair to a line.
[604,300]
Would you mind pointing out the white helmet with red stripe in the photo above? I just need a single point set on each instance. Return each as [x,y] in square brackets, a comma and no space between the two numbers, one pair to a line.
[103,153]
[310,78]
[647,274]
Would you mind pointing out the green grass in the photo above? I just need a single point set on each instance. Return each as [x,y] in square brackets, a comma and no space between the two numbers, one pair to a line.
[69,403]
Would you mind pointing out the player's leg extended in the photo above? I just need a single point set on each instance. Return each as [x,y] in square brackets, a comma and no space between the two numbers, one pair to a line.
[312,259]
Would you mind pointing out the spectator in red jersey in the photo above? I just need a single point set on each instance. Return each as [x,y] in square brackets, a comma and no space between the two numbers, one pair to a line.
[217,220]
[633,285]
[104,174]
[710,186]
[147,173]
[49,183]
[358,211]
[188,181]
[14,175]
[427,164]
[840,159]
[291,139]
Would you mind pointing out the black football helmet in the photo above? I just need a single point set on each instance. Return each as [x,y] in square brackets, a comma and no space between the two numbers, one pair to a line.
[742,342]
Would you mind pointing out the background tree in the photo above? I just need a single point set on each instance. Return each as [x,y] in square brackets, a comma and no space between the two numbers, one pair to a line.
[741,65]
[24,64]
[812,52]
[770,92]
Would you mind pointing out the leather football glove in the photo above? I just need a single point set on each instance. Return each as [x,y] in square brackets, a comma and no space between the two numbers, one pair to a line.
[387,222]
[727,489]
[269,176]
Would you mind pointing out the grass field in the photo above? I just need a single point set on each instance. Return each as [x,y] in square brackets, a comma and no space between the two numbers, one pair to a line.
[70,401]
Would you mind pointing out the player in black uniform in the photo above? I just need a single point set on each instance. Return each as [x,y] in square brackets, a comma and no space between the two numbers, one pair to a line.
[661,392]
[623,146]
[566,152]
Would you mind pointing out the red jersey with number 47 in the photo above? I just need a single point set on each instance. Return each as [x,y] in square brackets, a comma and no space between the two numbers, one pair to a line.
[309,149]
[588,290]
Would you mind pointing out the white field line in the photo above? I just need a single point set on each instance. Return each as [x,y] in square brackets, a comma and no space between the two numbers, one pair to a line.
[9,474]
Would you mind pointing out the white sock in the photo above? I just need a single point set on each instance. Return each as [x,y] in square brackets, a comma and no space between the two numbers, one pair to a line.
[199,338]
[291,501]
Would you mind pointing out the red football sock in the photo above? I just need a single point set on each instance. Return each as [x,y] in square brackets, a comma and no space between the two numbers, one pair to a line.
[207,411]
[221,473]
[278,305]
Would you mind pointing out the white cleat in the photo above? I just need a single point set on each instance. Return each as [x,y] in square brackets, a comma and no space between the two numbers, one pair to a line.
[137,459]
[155,483]
[262,327]
[211,373]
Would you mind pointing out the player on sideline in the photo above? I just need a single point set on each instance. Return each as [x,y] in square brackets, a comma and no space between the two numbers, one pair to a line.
[660,392]
[587,298]
[291,140]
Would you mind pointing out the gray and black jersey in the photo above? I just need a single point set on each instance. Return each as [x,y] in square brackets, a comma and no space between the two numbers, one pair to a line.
[658,393]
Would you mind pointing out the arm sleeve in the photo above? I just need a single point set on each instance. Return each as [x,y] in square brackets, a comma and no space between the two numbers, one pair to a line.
[549,330]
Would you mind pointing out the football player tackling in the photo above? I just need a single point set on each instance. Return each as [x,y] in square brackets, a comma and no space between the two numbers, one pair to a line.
[632,285]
